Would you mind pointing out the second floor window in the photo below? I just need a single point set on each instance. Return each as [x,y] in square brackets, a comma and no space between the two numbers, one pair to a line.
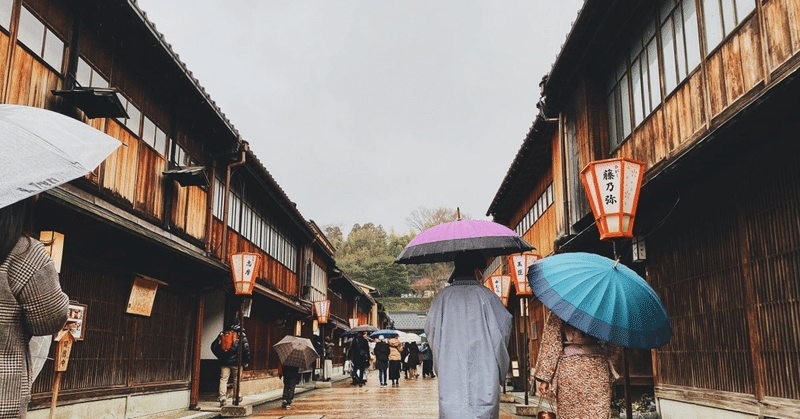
[87,76]
[6,6]
[721,16]
[40,39]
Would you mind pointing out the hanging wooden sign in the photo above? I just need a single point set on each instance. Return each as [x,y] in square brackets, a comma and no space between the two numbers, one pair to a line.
[54,245]
[65,341]
[143,294]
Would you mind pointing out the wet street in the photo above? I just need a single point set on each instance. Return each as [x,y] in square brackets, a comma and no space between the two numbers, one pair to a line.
[412,399]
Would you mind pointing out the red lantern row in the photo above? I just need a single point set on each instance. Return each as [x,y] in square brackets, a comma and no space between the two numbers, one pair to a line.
[518,265]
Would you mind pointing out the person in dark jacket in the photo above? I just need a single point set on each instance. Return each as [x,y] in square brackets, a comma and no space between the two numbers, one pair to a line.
[291,376]
[427,360]
[404,357]
[413,360]
[229,359]
[382,359]
[359,356]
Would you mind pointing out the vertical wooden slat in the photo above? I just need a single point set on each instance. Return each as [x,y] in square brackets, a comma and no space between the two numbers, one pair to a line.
[777,27]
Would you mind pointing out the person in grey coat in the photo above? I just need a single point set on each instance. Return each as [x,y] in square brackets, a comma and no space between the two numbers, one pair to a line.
[468,329]
[31,304]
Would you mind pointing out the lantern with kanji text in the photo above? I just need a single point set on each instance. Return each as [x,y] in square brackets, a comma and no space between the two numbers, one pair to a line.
[518,265]
[353,322]
[245,268]
[613,189]
[323,308]
[501,285]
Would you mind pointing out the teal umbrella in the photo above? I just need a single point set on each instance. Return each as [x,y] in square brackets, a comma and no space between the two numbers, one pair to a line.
[601,297]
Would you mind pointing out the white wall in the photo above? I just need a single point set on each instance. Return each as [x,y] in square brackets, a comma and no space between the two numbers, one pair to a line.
[213,321]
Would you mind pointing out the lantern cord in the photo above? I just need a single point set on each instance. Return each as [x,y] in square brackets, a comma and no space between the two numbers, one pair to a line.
[663,220]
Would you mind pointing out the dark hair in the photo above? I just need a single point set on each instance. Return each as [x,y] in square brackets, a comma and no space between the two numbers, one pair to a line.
[14,220]
[466,263]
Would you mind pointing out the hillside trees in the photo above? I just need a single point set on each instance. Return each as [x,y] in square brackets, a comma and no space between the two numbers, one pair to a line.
[368,253]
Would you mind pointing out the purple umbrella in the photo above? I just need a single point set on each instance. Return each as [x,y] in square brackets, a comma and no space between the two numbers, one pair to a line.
[443,242]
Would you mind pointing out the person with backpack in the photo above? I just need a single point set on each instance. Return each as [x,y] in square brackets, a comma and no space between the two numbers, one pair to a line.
[226,348]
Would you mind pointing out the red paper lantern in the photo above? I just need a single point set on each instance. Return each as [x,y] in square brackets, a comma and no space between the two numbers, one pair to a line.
[323,309]
[613,189]
[519,265]
[245,267]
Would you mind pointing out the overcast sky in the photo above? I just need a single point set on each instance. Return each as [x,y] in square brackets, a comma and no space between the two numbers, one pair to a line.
[366,110]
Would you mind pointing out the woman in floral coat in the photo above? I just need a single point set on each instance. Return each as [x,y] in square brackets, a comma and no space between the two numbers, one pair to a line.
[579,366]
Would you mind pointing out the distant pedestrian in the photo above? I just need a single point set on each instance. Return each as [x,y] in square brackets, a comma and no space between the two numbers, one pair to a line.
[316,341]
[404,354]
[382,359]
[413,360]
[226,348]
[31,304]
[359,356]
[395,359]
[291,376]
[468,330]
[327,370]
[427,360]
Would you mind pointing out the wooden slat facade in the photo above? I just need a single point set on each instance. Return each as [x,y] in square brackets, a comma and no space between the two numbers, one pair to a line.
[722,148]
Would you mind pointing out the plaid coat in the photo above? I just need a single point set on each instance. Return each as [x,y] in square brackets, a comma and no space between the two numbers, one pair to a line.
[31,304]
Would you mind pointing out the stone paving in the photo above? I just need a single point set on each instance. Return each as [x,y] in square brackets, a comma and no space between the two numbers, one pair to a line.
[412,399]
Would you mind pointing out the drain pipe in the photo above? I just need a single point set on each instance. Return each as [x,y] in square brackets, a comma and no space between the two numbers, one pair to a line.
[245,147]
[562,133]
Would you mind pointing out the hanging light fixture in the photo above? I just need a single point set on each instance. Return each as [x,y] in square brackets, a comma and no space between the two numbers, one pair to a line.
[501,285]
[519,271]
[613,188]
[353,322]
[245,267]
[322,308]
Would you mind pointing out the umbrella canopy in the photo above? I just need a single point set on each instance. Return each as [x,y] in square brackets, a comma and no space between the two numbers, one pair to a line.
[602,298]
[388,334]
[409,337]
[364,328]
[296,351]
[42,149]
[443,242]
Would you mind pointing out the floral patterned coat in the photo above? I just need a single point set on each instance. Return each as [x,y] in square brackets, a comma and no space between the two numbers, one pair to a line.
[578,368]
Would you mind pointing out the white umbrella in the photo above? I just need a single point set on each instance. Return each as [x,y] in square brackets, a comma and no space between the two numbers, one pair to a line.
[41,149]
[409,337]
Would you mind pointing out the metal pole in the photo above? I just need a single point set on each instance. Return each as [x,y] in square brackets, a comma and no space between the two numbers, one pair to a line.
[237,386]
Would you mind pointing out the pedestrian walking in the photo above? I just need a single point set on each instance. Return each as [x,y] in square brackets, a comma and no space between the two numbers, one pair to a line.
[395,359]
[327,370]
[291,377]
[404,354]
[468,330]
[226,348]
[581,365]
[427,360]
[31,304]
[382,359]
[413,360]
[359,356]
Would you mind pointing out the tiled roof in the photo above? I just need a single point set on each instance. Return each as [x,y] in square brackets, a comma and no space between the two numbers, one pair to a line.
[408,321]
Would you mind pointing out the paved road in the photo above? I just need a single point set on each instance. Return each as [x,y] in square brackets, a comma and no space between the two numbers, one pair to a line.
[412,399]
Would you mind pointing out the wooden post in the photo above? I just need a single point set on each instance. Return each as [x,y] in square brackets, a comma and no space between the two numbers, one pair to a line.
[628,403]
[238,383]
[194,395]
[65,341]
[526,347]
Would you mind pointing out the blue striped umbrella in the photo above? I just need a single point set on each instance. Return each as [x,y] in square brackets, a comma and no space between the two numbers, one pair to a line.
[602,298]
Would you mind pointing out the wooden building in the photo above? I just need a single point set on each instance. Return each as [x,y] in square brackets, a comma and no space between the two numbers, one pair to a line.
[705,93]
[159,217]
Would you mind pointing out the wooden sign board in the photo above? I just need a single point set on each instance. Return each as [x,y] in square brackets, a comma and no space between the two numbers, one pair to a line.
[54,245]
[143,293]
[65,341]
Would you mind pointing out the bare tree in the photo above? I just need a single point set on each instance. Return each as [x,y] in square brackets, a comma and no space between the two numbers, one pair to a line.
[423,217]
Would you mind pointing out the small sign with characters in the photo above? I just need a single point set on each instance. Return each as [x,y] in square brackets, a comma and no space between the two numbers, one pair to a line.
[143,294]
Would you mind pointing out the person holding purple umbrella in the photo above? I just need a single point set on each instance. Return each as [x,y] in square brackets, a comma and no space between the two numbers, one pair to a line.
[469,329]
